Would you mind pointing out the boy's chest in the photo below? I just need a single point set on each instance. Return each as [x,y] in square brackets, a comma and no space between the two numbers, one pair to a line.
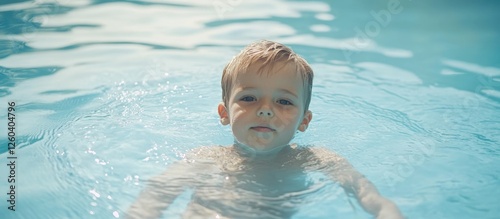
[274,195]
[254,183]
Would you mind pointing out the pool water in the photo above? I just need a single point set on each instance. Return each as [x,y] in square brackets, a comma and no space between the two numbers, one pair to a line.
[110,93]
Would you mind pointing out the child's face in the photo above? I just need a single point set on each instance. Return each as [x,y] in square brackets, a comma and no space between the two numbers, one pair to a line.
[265,110]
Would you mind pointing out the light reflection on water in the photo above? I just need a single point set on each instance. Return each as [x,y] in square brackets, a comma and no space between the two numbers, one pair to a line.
[111,93]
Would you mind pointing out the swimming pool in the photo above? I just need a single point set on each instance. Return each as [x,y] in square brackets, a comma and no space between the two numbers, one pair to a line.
[109,93]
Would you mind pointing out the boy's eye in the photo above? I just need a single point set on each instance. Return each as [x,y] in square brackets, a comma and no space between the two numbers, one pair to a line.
[284,102]
[247,98]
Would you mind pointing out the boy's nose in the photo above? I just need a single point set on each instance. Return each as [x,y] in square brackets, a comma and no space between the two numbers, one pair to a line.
[265,112]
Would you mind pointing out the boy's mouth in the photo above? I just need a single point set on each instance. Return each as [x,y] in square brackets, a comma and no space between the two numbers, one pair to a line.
[262,129]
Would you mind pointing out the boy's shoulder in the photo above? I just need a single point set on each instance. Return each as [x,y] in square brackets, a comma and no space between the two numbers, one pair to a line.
[207,153]
[314,150]
[207,150]
[319,154]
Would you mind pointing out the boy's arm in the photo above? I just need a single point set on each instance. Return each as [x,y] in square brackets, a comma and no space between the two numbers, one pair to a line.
[159,193]
[339,169]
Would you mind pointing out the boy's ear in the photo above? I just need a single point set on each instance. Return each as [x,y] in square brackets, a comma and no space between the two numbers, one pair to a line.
[224,116]
[305,121]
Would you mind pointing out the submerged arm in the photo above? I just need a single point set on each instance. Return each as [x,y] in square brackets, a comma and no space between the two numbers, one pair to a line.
[339,169]
[159,194]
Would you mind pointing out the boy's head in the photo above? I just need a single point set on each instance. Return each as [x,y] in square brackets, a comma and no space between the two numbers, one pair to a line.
[266,91]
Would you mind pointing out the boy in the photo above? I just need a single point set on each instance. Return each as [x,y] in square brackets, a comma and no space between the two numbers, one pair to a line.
[266,91]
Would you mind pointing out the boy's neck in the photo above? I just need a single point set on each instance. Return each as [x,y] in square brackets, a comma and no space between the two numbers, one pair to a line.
[252,154]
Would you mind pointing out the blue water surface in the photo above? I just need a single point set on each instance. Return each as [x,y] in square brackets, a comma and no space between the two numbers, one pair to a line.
[110,93]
